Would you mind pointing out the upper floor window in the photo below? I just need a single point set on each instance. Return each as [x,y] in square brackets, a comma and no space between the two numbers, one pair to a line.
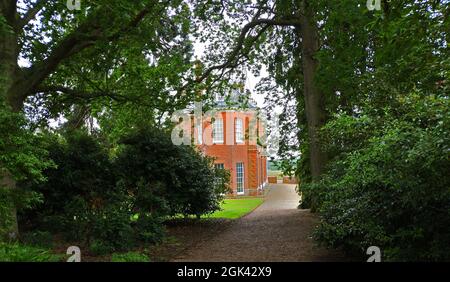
[219,166]
[218,130]
[239,129]
[199,133]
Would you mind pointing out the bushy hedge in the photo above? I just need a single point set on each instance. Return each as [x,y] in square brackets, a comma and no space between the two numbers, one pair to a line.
[113,203]
[169,179]
[391,186]
[80,197]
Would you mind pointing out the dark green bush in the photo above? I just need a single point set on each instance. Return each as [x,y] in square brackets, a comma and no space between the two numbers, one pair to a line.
[169,179]
[100,248]
[150,229]
[22,253]
[393,189]
[113,225]
[83,171]
[130,257]
[81,198]
[43,239]
[110,225]
[110,205]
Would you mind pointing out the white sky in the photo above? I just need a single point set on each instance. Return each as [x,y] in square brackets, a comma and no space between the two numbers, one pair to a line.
[250,82]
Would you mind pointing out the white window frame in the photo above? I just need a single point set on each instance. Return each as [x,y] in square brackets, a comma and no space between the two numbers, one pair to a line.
[217,179]
[199,133]
[219,165]
[240,179]
[218,131]
[239,130]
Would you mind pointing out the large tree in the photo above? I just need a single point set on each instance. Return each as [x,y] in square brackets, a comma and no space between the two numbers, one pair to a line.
[325,57]
[255,26]
[106,54]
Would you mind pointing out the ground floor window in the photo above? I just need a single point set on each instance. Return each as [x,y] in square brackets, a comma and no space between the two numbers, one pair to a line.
[240,178]
[219,166]
[218,180]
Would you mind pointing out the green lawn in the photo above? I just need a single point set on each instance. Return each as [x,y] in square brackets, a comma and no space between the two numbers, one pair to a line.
[236,208]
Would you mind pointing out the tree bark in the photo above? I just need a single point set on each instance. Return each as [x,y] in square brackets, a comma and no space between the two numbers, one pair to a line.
[11,233]
[314,97]
[8,73]
[16,83]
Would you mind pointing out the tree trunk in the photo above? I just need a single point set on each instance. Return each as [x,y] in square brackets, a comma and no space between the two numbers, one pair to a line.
[11,233]
[314,98]
[9,70]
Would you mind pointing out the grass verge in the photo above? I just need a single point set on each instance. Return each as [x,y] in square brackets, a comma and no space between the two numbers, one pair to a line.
[236,208]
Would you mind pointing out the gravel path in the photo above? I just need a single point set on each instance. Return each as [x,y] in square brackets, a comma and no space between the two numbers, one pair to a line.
[275,231]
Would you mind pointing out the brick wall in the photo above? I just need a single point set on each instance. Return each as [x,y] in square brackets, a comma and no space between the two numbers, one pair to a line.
[230,152]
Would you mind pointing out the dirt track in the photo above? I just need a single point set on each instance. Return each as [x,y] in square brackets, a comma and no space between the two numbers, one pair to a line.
[275,231]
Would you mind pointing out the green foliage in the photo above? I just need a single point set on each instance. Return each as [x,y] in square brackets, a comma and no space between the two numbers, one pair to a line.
[42,239]
[391,188]
[113,225]
[20,160]
[129,257]
[19,154]
[15,199]
[81,198]
[169,179]
[83,171]
[107,228]
[22,253]
[111,205]
[150,229]
[100,248]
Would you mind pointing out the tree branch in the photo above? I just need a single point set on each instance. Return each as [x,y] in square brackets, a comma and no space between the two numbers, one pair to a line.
[30,14]
[86,35]
[78,93]
[8,9]
[241,40]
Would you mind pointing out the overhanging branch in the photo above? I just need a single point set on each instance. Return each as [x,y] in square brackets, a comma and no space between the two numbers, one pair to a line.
[30,14]
[231,58]
[85,36]
[81,94]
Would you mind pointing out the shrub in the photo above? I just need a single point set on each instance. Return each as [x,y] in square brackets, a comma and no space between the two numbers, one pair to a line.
[99,248]
[83,170]
[393,189]
[169,179]
[90,198]
[38,238]
[82,199]
[15,199]
[22,253]
[150,229]
[110,225]
[129,257]
[113,226]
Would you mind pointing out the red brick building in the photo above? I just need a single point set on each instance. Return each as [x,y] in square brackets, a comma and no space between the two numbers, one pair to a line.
[232,137]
